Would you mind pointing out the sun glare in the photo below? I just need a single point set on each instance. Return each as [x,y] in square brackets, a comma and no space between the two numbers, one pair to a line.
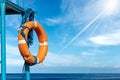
[110,7]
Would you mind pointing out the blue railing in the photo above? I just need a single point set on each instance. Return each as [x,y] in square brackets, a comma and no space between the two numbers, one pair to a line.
[3,35]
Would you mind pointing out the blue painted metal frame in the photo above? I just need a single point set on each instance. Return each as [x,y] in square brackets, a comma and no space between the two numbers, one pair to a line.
[17,9]
[3,43]
[27,71]
[3,40]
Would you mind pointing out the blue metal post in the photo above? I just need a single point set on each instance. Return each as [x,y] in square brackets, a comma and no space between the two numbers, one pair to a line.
[27,71]
[3,40]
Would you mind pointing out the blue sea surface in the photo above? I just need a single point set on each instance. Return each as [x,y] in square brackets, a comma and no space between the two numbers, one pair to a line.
[67,76]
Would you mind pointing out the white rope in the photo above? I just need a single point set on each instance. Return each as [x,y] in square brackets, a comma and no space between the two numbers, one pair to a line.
[37,60]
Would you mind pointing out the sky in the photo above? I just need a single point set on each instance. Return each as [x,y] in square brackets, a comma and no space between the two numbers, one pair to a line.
[83,36]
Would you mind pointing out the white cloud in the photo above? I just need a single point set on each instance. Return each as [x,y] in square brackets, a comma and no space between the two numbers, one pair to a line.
[81,42]
[11,37]
[13,21]
[91,53]
[78,15]
[75,15]
[77,12]
[15,62]
[86,54]
[13,56]
[52,21]
[53,59]
[64,39]
[12,50]
[107,39]
[71,14]
[117,66]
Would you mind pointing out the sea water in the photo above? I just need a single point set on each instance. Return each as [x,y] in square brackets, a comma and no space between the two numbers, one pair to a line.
[66,76]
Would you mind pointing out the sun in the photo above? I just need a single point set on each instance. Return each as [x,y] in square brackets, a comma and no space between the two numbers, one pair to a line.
[110,7]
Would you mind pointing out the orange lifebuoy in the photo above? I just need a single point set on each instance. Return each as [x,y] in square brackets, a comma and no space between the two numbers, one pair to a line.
[43,42]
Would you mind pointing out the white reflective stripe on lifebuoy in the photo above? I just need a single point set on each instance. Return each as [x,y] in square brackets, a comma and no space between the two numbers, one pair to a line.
[45,43]
[35,24]
[37,60]
[21,42]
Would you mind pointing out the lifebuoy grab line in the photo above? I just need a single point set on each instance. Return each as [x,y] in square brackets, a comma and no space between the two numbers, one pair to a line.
[43,43]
